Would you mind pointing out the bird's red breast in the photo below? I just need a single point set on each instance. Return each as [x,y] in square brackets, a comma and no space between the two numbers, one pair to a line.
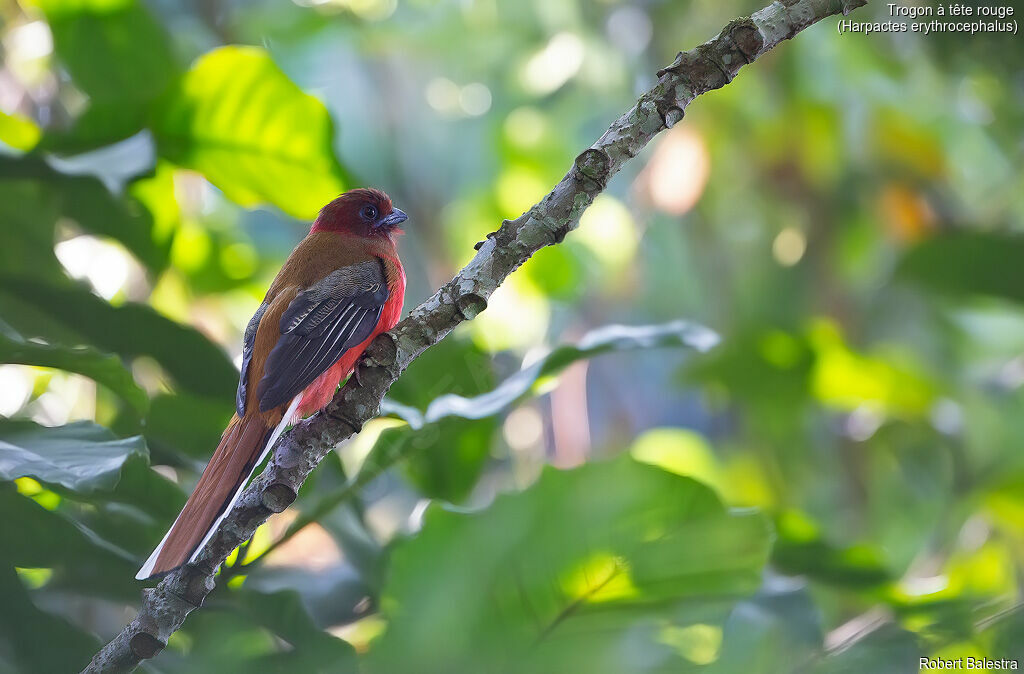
[320,392]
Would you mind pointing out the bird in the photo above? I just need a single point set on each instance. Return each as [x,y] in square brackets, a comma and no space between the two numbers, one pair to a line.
[343,285]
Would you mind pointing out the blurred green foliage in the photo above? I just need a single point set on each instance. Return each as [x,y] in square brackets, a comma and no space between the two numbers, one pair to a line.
[835,485]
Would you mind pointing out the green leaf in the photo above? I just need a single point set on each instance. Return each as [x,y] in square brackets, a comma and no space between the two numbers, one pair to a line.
[454,449]
[107,486]
[594,343]
[1004,630]
[766,368]
[102,123]
[447,445]
[80,456]
[570,568]
[207,418]
[457,429]
[981,263]
[252,132]
[778,630]
[36,640]
[114,49]
[312,649]
[886,650]
[802,551]
[134,515]
[33,195]
[102,368]
[249,631]
[28,214]
[37,537]
[444,459]
[73,314]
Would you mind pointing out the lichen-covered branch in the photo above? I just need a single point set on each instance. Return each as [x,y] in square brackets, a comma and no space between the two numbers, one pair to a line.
[707,67]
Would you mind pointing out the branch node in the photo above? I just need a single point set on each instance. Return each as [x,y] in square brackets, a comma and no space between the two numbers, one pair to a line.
[383,350]
[369,374]
[331,412]
[277,497]
[745,37]
[195,585]
[672,66]
[144,645]
[490,235]
[674,115]
[470,305]
[702,68]
[558,235]
[593,166]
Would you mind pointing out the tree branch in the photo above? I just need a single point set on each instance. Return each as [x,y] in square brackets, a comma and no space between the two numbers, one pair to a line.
[707,67]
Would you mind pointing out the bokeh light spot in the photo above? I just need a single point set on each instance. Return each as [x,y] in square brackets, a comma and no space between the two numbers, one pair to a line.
[525,126]
[104,264]
[700,644]
[238,260]
[553,65]
[679,451]
[443,95]
[608,230]
[518,189]
[677,173]
[475,99]
[517,316]
[789,246]
[523,428]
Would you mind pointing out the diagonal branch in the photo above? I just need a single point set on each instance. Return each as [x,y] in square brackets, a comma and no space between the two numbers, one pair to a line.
[709,66]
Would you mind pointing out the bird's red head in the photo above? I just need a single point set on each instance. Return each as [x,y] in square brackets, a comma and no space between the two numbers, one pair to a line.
[363,212]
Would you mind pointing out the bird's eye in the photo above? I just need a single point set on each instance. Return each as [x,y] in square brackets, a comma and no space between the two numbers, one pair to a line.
[368,212]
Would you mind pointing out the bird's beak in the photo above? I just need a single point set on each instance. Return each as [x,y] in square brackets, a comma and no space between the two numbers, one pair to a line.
[394,218]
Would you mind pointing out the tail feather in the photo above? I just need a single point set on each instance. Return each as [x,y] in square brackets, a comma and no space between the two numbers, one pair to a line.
[242,447]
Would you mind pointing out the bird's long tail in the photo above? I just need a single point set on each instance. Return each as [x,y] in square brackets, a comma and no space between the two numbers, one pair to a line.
[242,447]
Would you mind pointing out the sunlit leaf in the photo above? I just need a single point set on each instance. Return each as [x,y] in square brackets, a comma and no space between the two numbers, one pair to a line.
[18,132]
[563,572]
[252,132]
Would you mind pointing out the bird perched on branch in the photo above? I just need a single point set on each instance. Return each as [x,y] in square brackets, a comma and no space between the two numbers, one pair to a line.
[342,286]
